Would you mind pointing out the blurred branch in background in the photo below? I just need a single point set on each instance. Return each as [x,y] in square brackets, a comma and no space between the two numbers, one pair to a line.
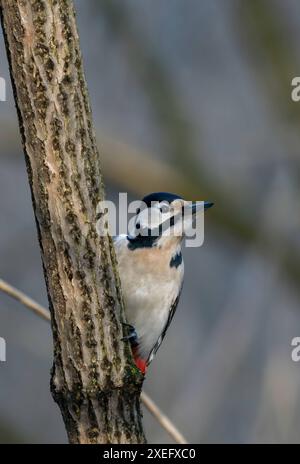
[147,401]
[25,300]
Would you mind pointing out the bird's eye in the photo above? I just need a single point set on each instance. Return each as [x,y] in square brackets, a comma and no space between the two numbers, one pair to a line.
[164,208]
[138,225]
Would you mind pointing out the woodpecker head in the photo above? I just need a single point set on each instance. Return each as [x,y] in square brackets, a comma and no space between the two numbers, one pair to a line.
[164,218]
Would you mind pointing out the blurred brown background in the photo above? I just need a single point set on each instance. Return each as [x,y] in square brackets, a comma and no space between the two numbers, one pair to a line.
[191,97]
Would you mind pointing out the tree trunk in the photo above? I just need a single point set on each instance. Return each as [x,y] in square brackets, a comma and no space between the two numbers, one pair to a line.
[94,380]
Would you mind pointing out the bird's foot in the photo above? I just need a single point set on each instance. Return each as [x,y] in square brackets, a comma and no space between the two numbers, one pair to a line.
[132,335]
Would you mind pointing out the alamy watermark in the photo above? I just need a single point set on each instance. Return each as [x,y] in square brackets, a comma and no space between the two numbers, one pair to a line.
[295,353]
[295,94]
[2,349]
[138,219]
[2,89]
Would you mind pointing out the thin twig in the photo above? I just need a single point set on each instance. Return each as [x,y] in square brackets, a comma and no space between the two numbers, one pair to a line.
[164,421]
[25,300]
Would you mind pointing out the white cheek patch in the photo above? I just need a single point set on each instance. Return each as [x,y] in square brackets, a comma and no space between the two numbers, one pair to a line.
[149,218]
[148,222]
[160,220]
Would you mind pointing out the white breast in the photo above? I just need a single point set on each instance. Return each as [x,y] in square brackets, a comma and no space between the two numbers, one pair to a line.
[150,286]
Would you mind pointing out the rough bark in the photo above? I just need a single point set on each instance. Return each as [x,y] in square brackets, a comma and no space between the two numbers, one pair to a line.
[94,381]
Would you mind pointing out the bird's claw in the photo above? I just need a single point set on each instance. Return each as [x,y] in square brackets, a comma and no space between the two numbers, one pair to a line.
[132,335]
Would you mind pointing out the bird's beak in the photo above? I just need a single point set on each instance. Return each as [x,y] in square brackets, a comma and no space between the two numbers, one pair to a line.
[198,206]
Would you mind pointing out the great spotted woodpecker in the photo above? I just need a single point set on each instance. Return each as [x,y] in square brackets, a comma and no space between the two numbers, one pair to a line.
[151,269]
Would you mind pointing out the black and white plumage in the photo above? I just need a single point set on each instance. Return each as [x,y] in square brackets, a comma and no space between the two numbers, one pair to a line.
[152,270]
